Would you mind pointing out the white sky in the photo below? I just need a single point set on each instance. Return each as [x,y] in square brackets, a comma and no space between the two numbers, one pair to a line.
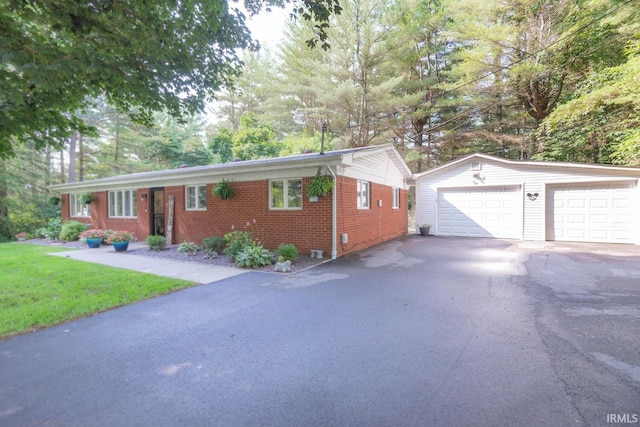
[268,27]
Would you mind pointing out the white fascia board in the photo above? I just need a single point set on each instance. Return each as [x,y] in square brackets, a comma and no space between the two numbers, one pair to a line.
[201,175]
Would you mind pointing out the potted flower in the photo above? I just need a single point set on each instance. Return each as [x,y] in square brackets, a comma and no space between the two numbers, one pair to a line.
[93,237]
[320,185]
[120,240]
[424,229]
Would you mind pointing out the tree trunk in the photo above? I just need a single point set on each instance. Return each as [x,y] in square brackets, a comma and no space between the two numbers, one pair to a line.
[72,156]
[4,209]
[80,159]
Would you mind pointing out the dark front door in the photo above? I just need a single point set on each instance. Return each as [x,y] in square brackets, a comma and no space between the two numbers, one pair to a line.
[157,211]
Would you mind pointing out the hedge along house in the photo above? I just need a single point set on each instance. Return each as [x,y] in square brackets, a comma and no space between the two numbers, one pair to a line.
[486,196]
[368,204]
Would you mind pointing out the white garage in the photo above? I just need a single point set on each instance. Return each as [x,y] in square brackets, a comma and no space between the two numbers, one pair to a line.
[486,196]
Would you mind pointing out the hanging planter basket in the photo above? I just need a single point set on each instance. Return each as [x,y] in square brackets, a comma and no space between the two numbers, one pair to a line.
[319,186]
[223,190]
[87,198]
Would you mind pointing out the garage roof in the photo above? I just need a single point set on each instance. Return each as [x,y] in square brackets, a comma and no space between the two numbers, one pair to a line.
[536,164]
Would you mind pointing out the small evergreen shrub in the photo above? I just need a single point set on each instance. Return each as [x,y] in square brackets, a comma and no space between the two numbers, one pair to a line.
[188,248]
[287,252]
[71,230]
[156,243]
[253,256]
[236,241]
[212,246]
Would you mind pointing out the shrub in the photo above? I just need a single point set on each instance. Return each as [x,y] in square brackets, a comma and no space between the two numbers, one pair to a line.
[287,252]
[53,229]
[71,230]
[156,243]
[188,248]
[212,246]
[236,241]
[253,255]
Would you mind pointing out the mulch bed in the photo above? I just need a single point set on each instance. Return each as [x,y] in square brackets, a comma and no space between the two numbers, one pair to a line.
[172,253]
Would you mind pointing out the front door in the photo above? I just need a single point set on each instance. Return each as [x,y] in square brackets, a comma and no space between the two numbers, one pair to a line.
[157,212]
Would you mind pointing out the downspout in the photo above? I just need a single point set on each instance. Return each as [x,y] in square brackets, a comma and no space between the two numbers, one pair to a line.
[334,215]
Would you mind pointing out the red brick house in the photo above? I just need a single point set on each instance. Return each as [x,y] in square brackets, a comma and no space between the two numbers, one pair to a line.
[367,206]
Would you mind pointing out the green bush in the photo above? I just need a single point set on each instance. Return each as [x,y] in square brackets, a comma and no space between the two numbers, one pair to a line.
[236,241]
[253,256]
[53,229]
[71,230]
[212,246]
[287,252]
[156,243]
[188,248]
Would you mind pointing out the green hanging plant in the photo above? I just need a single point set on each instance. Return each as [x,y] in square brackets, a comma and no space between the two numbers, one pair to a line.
[223,190]
[320,185]
[87,198]
[55,200]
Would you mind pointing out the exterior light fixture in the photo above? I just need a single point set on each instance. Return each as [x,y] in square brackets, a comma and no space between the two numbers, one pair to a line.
[143,197]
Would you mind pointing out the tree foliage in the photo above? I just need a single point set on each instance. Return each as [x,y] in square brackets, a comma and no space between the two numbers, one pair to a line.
[141,56]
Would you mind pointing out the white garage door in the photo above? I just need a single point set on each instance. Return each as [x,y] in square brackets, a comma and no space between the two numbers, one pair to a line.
[597,212]
[480,212]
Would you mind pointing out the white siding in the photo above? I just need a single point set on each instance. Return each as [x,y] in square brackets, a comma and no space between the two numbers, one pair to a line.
[381,167]
[532,177]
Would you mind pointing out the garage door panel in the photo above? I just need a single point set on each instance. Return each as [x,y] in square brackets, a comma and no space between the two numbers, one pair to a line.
[594,212]
[480,212]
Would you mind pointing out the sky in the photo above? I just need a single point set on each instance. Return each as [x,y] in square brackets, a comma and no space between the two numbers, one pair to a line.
[268,27]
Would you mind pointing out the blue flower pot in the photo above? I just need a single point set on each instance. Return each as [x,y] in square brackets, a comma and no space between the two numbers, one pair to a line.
[120,246]
[94,243]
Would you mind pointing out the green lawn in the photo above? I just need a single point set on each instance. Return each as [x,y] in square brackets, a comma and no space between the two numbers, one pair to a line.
[38,290]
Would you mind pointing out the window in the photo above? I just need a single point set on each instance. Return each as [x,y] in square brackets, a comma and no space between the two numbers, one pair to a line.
[396,198]
[363,195]
[285,194]
[476,166]
[123,204]
[77,208]
[196,197]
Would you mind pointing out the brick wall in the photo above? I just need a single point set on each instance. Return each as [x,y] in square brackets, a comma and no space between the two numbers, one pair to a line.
[368,227]
[139,226]
[248,210]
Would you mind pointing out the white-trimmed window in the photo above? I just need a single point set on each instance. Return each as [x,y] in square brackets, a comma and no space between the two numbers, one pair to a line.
[364,195]
[123,204]
[196,197]
[396,198]
[285,194]
[77,207]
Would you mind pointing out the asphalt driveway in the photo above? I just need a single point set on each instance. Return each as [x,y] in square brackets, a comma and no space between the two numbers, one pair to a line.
[416,332]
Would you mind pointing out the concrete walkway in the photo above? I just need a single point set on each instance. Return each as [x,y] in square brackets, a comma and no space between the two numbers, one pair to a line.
[191,271]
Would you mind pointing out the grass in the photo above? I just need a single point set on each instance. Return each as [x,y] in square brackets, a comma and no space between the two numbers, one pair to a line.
[37,290]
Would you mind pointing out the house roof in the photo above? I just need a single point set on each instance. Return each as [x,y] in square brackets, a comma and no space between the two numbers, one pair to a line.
[535,164]
[176,176]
